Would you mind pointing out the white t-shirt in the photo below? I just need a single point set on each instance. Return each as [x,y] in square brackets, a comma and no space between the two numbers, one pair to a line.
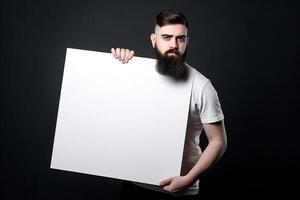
[205,107]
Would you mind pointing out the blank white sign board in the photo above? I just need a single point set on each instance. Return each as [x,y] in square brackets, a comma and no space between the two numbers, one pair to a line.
[123,121]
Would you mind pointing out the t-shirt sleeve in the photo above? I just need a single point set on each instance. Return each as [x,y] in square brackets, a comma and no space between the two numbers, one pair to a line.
[210,110]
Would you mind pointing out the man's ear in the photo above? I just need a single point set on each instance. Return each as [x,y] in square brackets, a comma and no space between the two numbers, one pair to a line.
[153,39]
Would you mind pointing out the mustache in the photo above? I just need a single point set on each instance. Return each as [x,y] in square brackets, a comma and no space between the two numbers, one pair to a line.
[172,51]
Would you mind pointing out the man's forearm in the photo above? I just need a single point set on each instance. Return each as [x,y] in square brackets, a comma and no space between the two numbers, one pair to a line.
[209,157]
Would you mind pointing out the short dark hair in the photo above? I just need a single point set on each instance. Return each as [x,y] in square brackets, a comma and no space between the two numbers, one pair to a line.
[170,16]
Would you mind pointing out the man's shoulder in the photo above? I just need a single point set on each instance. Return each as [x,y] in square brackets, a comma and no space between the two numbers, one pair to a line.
[199,78]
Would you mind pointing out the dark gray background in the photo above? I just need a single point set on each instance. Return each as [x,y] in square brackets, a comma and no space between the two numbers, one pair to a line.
[247,48]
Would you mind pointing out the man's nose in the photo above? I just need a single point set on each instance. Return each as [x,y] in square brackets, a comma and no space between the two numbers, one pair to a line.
[173,43]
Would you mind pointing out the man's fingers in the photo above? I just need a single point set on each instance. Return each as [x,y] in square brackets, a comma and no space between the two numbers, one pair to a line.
[127,51]
[113,51]
[118,53]
[168,188]
[122,56]
[131,54]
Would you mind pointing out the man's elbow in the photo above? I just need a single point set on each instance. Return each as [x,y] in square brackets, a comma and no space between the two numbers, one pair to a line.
[224,148]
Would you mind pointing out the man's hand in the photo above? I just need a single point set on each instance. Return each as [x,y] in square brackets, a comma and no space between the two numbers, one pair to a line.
[176,183]
[123,55]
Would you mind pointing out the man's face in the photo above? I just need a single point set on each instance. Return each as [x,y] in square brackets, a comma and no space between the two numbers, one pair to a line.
[169,37]
[170,44]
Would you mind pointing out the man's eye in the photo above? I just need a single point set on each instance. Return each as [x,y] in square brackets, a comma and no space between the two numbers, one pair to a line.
[182,39]
[166,37]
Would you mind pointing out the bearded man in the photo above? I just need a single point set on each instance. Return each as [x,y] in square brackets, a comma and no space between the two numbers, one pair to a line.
[170,40]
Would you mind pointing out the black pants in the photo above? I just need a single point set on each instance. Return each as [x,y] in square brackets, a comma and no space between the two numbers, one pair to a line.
[131,191]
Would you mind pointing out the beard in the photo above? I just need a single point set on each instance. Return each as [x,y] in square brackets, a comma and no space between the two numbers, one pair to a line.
[171,63]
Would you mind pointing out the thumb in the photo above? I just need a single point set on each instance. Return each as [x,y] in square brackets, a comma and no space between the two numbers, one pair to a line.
[166,182]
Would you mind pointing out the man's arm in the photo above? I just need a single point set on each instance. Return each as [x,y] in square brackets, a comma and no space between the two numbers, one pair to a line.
[217,144]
